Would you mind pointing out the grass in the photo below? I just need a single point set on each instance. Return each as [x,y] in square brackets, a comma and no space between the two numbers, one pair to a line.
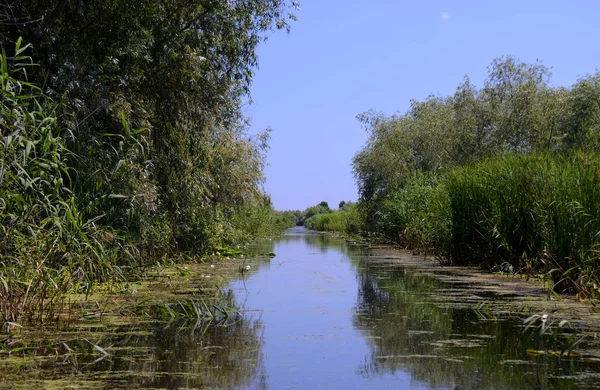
[534,213]
[47,247]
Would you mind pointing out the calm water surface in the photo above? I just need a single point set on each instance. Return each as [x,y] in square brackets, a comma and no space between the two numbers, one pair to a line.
[309,300]
[325,314]
[334,317]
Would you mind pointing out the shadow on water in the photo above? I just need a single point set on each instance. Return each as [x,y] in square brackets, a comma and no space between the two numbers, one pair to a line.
[324,313]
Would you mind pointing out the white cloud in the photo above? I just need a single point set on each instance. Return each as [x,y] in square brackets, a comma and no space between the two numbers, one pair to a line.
[445,16]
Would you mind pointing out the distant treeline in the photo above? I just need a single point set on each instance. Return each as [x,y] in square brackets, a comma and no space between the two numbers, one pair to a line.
[507,176]
[322,218]
[123,140]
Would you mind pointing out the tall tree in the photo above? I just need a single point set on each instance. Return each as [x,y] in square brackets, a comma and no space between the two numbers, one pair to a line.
[180,70]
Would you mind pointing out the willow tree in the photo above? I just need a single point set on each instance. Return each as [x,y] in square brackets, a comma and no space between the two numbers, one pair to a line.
[152,94]
[516,111]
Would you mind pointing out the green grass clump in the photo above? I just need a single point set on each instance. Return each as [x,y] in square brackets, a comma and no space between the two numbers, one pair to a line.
[417,214]
[530,213]
[47,246]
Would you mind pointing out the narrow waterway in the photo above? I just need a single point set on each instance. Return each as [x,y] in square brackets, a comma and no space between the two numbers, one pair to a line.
[336,316]
[323,314]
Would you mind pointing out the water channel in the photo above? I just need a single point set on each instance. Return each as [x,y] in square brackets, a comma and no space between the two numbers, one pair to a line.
[329,314]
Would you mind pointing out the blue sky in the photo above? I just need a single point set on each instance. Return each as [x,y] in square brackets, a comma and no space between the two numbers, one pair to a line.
[343,58]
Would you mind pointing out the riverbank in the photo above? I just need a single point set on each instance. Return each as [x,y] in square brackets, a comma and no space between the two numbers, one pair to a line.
[476,286]
[94,330]
[505,176]
[100,178]
[565,320]
[534,214]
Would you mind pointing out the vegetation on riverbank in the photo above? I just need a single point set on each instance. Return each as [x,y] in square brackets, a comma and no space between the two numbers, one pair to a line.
[505,176]
[132,337]
[123,141]
[345,220]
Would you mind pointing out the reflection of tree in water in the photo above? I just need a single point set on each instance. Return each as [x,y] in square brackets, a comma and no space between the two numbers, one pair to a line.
[441,345]
[223,354]
[315,240]
[183,354]
[326,242]
[197,356]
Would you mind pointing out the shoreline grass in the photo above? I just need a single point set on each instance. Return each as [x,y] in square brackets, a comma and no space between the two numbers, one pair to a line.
[536,214]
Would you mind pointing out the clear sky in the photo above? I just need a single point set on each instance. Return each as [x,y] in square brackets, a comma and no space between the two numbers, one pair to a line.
[343,58]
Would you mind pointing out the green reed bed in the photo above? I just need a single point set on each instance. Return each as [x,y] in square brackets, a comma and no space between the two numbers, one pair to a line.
[46,245]
[333,222]
[530,213]
[347,222]
[417,214]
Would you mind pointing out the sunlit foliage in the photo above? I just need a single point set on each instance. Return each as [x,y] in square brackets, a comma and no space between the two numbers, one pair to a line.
[131,122]
[434,176]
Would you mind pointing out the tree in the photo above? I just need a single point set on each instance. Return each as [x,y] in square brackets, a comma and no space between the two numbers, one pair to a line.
[582,125]
[152,94]
[512,91]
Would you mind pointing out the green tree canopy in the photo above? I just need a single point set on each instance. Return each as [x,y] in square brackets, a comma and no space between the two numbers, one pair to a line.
[151,95]
[516,111]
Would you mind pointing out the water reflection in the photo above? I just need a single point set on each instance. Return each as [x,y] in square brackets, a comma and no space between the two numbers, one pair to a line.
[214,356]
[413,330]
[441,345]
[321,242]
[221,353]
[183,355]
[324,313]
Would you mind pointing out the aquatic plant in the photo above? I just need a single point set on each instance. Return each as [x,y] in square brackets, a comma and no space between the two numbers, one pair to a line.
[546,335]
[47,246]
[537,213]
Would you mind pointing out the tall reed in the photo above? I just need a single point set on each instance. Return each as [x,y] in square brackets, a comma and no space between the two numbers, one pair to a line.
[46,245]
[530,213]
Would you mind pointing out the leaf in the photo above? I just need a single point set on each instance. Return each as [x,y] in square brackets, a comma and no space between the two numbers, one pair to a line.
[92,220]
[118,196]
[100,349]
[4,284]
[18,46]
[562,323]
[28,148]
[125,124]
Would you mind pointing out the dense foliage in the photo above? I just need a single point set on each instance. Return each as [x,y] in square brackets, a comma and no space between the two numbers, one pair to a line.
[345,220]
[505,175]
[516,111]
[126,141]
[530,213]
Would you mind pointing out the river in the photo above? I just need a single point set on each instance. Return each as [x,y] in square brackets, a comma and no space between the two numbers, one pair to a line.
[337,316]
[330,314]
